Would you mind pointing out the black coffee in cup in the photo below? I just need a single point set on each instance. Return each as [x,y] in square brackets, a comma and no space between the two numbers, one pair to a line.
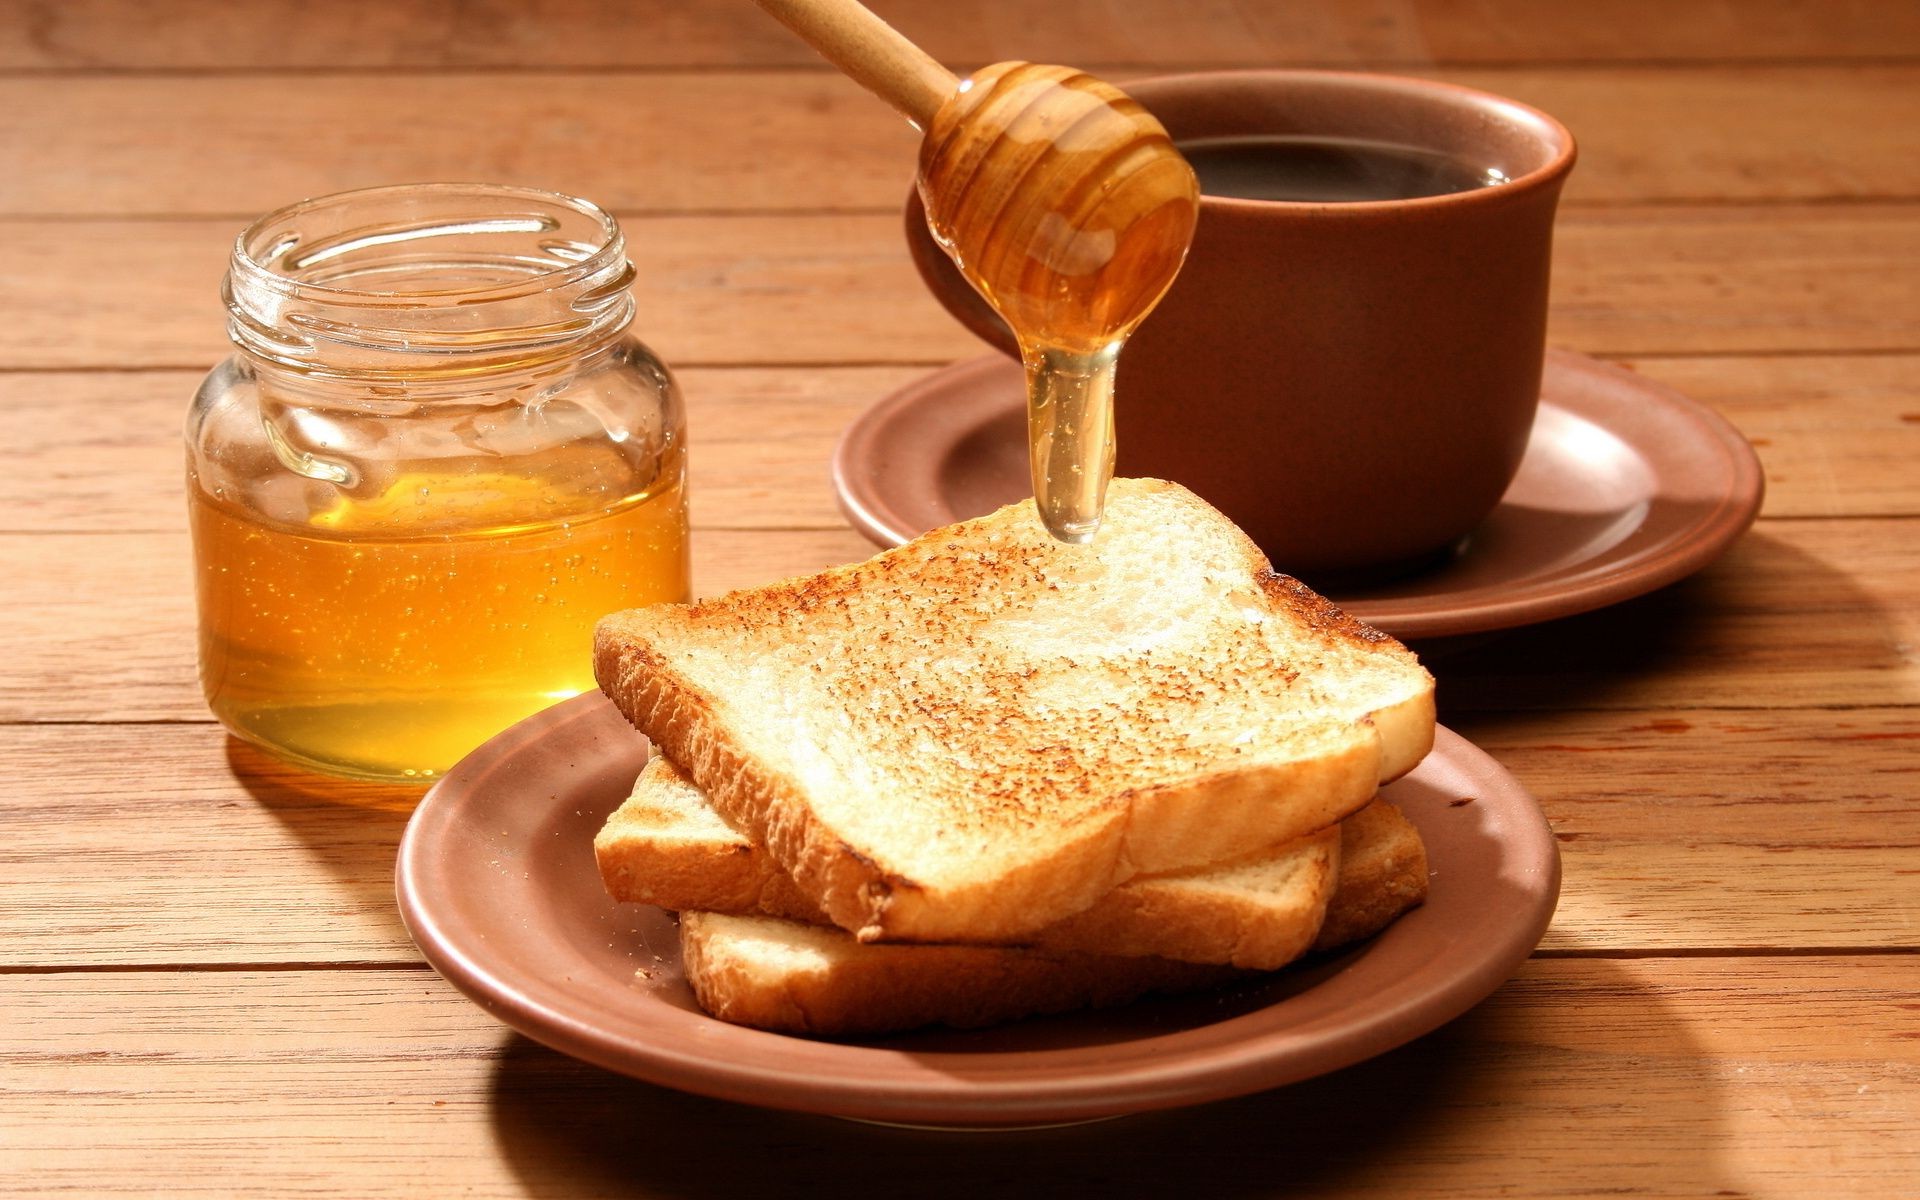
[1328,170]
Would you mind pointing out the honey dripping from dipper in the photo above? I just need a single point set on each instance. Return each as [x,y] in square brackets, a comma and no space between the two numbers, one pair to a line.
[1067,207]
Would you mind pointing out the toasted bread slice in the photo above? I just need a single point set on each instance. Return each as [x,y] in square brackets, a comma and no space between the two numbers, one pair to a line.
[1383,873]
[983,731]
[792,977]
[812,979]
[668,847]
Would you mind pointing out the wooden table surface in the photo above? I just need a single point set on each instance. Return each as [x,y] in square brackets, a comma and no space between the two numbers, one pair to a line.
[206,987]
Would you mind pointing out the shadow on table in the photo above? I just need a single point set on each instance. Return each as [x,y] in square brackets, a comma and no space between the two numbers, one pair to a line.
[1752,621]
[1533,1088]
[351,828]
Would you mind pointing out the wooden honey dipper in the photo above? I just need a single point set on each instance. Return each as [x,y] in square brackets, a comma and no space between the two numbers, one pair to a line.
[1060,199]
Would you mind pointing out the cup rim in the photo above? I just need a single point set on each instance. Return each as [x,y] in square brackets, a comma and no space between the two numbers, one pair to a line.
[1513,112]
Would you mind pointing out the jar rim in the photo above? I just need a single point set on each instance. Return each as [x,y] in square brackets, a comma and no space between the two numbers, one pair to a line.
[256,249]
[423,279]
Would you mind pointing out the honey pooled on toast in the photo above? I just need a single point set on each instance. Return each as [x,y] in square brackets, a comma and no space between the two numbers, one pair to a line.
[1067,207]
[434,462]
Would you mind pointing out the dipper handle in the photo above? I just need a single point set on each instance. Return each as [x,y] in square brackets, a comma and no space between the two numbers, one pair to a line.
[870,52]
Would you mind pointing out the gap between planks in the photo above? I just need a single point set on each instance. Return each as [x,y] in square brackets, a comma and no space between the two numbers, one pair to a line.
[210,968]
[932,364]
[1759,522]
[1477,713]
[963,67]
[1693,953]
[1596,204]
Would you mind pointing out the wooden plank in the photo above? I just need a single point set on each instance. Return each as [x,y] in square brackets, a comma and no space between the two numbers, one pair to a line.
[1680,831]
[1667,134]
[102,624]
[709,289]
[1694,280]
[811,139]
[784,140]
[835,290]
[1736,831]
[1797,614]
[1662,1077]
[179,844]
[100,451]
[219,34]
[1837,436]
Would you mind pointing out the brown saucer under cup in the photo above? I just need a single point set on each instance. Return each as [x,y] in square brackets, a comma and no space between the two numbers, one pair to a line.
[1626,486]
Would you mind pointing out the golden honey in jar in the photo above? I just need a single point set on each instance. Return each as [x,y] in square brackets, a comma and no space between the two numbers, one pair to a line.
[436,457]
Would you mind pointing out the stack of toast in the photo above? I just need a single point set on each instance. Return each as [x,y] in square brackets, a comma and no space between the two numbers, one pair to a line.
[985,775]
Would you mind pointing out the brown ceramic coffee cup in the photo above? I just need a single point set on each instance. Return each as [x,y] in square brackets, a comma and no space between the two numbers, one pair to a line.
[1353,381]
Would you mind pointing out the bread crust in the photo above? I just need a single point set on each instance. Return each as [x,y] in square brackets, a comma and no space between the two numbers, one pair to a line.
[678,716]
[815,980]
[1383,873]
[865,989]
[643,859]
[1173,917]
[1259,912]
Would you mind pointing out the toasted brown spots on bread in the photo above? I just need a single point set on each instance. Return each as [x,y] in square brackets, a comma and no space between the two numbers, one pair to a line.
[1318,612]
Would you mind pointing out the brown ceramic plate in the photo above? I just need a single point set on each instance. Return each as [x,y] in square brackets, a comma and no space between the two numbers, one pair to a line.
[496,882]
[1626,486]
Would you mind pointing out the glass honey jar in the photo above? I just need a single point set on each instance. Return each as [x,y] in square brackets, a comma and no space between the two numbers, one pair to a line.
[435,458]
